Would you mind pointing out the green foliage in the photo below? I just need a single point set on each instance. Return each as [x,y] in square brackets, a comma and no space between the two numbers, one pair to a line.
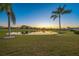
[72,30]
[25,32]
[76,32]
[8,9]
[60,11]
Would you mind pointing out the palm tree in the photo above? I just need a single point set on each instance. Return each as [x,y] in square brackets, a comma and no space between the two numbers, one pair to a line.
[11,17]
[58,13]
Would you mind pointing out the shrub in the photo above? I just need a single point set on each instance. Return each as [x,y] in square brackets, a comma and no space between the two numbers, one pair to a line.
[23,32]
[72,30]
[26,32]
[76,32]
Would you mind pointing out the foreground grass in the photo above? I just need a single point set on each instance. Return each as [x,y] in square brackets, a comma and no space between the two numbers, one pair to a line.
[62,44]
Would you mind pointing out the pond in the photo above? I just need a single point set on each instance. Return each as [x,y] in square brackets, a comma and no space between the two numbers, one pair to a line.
[34,33]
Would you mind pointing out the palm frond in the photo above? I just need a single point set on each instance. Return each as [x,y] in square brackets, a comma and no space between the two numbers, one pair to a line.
[54,17]
[66,11]
[59,8]
[64,6]
[55,12]
[1,8]
[13,17]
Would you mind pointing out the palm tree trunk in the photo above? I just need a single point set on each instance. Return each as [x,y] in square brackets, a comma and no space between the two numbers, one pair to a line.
[59,23]
[9,29]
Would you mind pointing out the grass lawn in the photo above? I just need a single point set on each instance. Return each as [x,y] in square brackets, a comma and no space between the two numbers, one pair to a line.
[41,45]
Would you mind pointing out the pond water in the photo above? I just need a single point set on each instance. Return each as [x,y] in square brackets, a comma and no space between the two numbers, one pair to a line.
[34,33]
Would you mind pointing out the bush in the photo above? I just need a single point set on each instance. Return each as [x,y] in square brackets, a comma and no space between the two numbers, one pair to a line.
[76,32]
[24,32]
[72,30]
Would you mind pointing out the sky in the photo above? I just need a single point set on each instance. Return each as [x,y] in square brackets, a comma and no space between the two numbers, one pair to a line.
[38,15]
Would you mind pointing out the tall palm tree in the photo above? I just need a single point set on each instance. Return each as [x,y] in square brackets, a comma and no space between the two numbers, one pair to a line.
[11,17]
[59,12]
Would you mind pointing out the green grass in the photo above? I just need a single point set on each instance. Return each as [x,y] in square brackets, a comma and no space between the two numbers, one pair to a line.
[43,45]
[3,32]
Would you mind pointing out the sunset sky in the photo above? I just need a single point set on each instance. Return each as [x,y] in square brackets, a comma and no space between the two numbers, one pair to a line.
[38,15]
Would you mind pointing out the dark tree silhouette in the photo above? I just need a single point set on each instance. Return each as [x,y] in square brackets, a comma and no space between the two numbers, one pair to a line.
[8,9]
[58,13]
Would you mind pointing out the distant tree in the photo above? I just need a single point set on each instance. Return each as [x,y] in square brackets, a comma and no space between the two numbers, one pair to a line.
[23,27]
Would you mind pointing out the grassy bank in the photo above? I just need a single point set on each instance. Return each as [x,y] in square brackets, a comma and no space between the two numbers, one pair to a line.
[63,44]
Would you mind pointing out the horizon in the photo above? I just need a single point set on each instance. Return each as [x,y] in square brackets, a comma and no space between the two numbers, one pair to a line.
[41,27]
[38,15]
